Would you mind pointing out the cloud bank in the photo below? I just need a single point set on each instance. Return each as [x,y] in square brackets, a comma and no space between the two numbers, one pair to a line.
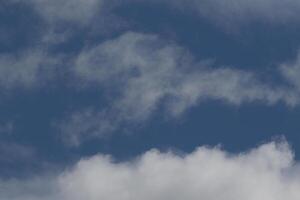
[267,173]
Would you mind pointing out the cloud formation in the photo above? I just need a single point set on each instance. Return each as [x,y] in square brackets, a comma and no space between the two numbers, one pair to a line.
[26,70]
[267,172]
[75,11]
[239,12]
[222,12]
[291,72]
[144,73]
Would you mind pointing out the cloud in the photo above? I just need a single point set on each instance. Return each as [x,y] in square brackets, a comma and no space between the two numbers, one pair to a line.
[26,70]
[222,12]
[239,12]
[145,70]
[7,127]
[38,188]
[78,11]
[142,73]
[16,159]
[12,152]
[64,19]
[268,172]
[291,72]
[79,124]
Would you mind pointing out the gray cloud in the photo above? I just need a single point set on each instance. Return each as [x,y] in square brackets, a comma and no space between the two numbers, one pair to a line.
[267,172]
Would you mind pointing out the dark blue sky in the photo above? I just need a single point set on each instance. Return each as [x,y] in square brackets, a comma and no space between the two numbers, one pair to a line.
[36,108]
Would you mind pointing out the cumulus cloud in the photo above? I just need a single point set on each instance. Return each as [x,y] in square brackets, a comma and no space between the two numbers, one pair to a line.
[268,172]
[144,73]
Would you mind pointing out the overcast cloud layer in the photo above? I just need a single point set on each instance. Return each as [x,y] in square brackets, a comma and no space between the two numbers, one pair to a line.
[267,173]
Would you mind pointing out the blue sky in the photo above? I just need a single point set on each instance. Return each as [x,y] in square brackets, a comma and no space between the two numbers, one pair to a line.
[134,99]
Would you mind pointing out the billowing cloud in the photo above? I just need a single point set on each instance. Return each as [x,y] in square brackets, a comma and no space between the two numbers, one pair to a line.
[268,172]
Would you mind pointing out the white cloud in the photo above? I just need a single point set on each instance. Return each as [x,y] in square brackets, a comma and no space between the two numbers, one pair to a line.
[268,172]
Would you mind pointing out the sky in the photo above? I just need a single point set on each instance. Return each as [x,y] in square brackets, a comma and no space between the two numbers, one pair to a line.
[149,99]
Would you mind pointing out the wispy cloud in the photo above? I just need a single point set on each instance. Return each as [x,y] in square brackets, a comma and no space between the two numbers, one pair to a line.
[15,153]
[291,72]
[144,73]
[75,11]
[241,12]
[25,70]
[7,127]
